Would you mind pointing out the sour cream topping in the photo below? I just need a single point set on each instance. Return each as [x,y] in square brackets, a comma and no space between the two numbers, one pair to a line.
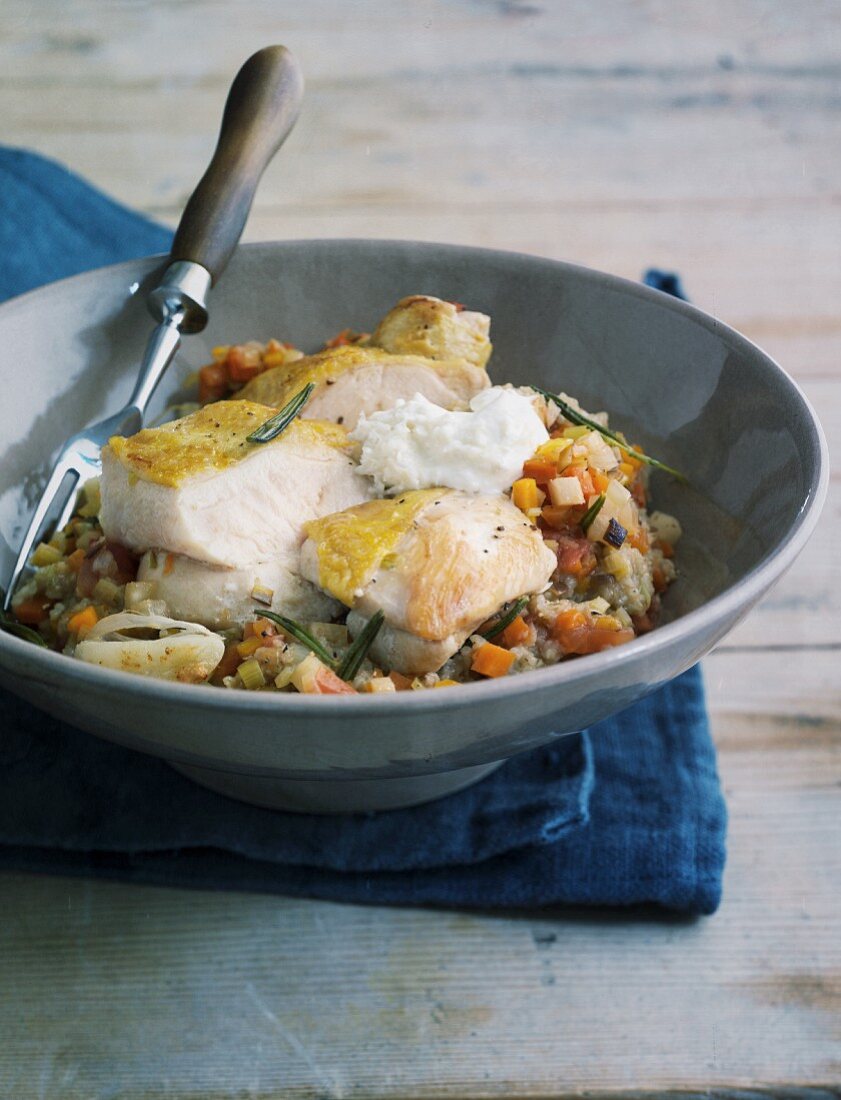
[418,445]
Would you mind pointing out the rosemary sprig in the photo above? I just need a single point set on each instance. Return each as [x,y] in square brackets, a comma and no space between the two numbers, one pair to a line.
[359,649]
[18,630]
[289,626]
[591,513]
[271,428]
[506,619]
[576,417]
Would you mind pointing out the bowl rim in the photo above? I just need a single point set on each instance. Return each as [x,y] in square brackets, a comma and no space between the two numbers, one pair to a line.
[739,596]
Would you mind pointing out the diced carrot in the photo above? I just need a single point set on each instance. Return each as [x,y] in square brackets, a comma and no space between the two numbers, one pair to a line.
[213,382]
[665,548]
[83,621]
[492,660]
[577,632]
[541,469]
[401,682]
[32,611]
[600,480]
[659,579]
[524,493]
[74,561]
[638,538]
[518,632]
[638,492]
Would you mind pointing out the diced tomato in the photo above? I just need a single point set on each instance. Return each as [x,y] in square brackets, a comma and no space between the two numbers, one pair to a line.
[243,363]
[576,632]
[109,559]
[32,611]
[213,382]
[576,556]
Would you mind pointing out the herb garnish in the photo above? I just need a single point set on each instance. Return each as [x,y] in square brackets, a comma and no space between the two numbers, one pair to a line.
[351,663]
[271,428]
[295,630]
[506,619]
[359,649]
[575,417]
[591,513]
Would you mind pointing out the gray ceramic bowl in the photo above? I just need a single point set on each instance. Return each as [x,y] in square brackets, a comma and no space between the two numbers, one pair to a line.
[683,385]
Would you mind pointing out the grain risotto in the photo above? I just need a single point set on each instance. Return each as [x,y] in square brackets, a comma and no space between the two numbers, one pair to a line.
[375,517]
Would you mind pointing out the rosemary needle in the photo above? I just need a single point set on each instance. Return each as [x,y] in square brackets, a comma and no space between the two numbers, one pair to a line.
[591,513]
[289,626]
[359,649]
[576,417]
[271,428]
[506,619]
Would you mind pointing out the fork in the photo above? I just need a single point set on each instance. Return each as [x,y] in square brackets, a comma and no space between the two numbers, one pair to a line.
[260,111]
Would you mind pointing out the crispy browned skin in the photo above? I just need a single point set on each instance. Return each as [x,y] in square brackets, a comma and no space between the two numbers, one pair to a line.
[435,329]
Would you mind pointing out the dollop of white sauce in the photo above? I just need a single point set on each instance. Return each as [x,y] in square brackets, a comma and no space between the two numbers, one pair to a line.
[418,445]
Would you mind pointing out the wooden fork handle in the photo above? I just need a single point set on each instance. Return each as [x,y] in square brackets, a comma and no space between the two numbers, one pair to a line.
[260,111]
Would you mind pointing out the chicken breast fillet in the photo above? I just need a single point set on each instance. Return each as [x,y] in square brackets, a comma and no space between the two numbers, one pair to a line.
[197,487]
[437,562]
[219,598]
[353,380]
[431,327]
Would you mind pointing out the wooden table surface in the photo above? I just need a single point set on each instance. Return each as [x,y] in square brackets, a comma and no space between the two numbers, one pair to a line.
[702,136]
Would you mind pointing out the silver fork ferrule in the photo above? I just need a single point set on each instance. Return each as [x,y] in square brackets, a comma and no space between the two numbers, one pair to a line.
[182,289]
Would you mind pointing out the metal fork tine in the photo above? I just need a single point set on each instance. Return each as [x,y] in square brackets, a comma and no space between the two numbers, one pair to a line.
[61,471]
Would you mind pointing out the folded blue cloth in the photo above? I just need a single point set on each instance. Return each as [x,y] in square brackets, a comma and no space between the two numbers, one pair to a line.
[626,813]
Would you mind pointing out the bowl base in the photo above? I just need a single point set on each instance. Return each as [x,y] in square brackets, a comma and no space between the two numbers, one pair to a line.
[336,796]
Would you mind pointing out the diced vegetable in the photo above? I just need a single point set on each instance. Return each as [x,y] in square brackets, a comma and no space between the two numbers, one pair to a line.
[263,595]
[615,533]
[213,382]
[446,684]
[492,660]
[83,621]
[554,449]
[583,475]
[665,527]
[228,665]
[541,469]
[599,453]
[248,646]
[251,674]
[517,632]
[555,517]
[577,632]
[136,592]
[45,555]
[31,611]
[576,556]
[313,677]
[525,494]
[379,685]
[565,491]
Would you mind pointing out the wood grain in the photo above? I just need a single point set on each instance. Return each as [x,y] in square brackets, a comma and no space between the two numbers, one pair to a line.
[702,137]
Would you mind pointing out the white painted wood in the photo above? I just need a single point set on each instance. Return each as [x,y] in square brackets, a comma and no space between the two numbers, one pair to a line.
[700,136]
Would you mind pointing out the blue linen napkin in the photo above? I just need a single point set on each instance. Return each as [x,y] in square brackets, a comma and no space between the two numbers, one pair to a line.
[629,812]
